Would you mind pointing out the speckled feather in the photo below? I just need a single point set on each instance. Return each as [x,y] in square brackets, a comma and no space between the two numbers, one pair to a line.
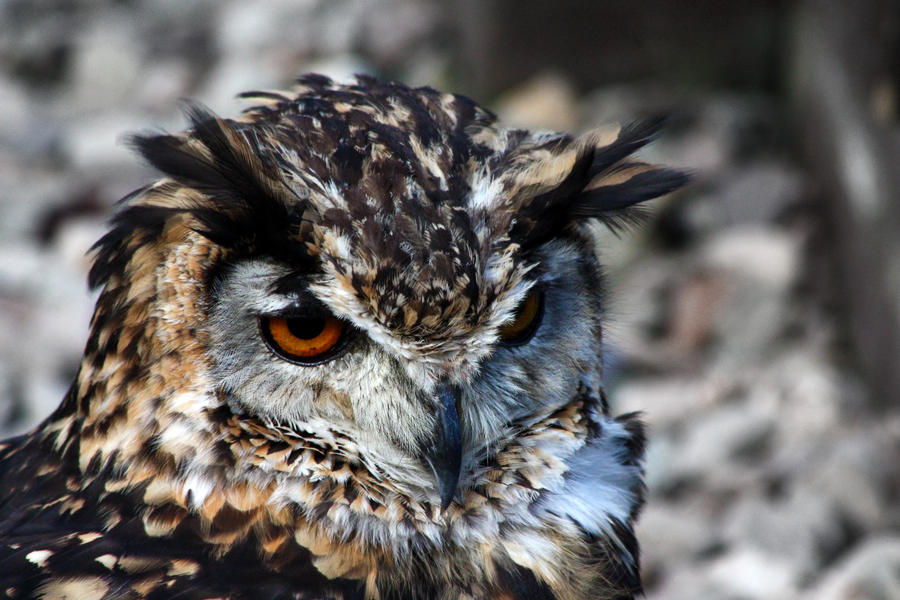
[411,214]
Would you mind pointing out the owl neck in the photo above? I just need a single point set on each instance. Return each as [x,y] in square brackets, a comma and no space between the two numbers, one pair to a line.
[293,495]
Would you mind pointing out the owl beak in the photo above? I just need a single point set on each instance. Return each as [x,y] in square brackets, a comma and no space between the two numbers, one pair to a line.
[445,453]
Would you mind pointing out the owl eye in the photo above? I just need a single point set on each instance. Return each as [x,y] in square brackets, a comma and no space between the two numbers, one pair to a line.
[525,321]
[307,340]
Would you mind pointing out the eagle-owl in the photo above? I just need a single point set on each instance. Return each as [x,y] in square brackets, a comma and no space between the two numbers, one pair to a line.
[348,347]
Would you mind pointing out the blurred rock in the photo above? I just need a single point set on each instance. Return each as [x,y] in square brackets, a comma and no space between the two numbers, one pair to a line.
[431,69]
[107,63]
[393,28]
[693,311]
[797,530]
[688,584]
[761,264]
[870,572]
[16,110]
[36,45]
[95,143]
[42,296]
[546,101]
[249,28]
[711,447]
[761,255]
[237,73]
[163,84]
[676,534]
[618,103]
[75,238]
[667,401]
[856,471]
[747,573]
[740,574]
[812,394]
[759,193]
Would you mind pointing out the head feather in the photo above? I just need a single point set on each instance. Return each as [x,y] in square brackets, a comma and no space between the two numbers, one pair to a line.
[601,182]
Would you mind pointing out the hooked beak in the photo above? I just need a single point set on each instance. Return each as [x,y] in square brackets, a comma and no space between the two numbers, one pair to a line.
[445,453]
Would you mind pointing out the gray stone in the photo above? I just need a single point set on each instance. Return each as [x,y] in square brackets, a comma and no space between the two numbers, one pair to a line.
[748,573]
[237,72]
[27,192]
[855,470]
[797,530]
[672,535]
[760,265]
[43,327]
[16,109]
[741,574]
[93,143]
[762,255]
[712,447]
[392,29]
[870,572]
[163,83]
[666,402]
[757,193]
[107,64]
[256,29]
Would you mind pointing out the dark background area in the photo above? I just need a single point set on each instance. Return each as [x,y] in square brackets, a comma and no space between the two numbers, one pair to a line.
[755,319]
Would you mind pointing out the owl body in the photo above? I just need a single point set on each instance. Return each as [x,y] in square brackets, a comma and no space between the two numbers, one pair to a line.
[348,347]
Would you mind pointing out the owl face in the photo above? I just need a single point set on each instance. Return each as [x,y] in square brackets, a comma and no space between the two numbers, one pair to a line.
[366,262]
[294,355]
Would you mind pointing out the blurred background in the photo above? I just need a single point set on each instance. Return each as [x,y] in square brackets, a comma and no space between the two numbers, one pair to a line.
[755,319]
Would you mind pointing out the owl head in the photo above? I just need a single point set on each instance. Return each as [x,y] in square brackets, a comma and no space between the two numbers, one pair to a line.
[374,269]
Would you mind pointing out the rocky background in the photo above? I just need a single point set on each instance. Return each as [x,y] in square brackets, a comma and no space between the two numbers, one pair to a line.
[744,318]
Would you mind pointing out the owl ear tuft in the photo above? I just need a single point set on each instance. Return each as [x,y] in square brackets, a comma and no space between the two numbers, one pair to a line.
[243,203]
[240,205]
[610,146]
[617,182]
[613,196]
[215,158]
[602,182]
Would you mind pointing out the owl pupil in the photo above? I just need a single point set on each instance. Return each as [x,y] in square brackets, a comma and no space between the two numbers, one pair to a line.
[306,329]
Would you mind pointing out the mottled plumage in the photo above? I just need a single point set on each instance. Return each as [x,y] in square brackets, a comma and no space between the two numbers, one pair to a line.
[431,453]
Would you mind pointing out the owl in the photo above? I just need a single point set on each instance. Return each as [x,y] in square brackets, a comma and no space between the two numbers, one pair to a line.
[347,347]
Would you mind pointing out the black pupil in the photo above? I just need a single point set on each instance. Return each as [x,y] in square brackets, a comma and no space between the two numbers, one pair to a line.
[306,329]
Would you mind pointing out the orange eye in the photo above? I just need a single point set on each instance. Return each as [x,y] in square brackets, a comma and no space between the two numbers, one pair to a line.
[525,321]
[303,340]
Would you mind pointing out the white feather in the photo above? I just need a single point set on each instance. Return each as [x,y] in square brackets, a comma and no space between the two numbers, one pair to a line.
[599,486]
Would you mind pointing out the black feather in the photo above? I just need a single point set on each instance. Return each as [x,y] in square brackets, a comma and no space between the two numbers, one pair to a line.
[521,584]
[631,138]
[240,212]
[169,155]
[622,221]
[609,198]
[547,215]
